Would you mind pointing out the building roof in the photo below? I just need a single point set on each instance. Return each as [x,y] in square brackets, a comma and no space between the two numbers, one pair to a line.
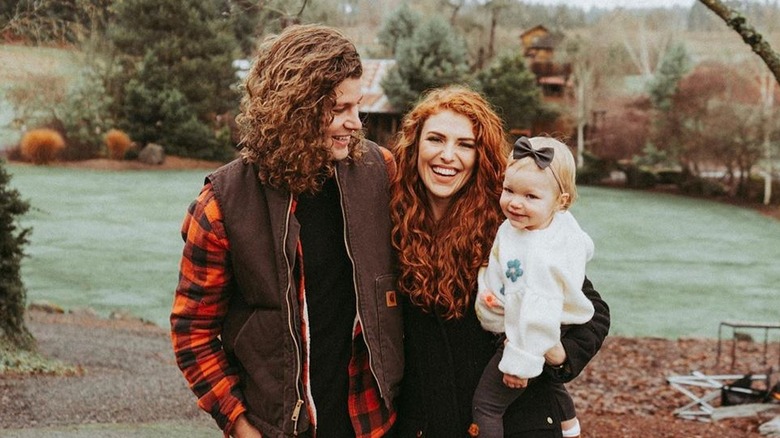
[544,39]
[374,98]
[537,27]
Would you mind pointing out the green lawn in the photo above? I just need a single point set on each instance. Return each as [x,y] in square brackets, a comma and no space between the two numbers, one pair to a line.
[106,240]
[674,266]
[668,266]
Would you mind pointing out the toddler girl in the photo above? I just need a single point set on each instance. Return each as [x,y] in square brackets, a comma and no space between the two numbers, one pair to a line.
[532,284]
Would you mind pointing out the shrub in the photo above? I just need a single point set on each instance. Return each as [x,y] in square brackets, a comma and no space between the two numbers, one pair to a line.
[670,176]
[41,146]
[13,239]
[638,177]
[117,144]
[132,152]
[622,130]
[166,118]
[84,116]
[697,186]
[13,153]
[594,169]
[78,110]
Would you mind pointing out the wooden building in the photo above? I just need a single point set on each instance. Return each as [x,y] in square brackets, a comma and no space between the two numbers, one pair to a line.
[380,119]
[539,45]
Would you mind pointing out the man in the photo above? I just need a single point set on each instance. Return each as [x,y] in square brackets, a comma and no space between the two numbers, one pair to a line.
[285,320]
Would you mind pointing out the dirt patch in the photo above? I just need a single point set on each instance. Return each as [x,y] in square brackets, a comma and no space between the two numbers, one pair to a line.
[129,376]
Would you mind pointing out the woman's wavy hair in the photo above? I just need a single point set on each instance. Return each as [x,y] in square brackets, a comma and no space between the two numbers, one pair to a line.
[289,95]
[439,261]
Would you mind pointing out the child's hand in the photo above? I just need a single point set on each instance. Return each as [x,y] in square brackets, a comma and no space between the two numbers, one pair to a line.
[514,381]
[556,355]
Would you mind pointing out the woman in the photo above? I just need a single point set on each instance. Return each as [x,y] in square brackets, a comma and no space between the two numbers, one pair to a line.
[451,154]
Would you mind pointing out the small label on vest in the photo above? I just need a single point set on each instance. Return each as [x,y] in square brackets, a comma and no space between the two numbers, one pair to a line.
[390,298]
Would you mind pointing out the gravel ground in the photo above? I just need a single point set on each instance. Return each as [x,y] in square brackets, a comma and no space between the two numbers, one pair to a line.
[127,380]
[129,386]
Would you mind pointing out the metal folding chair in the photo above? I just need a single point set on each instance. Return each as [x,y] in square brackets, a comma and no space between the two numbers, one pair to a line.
[702,389]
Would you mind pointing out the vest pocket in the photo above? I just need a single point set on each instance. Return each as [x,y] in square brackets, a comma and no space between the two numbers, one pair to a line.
[260,348]
[391,331]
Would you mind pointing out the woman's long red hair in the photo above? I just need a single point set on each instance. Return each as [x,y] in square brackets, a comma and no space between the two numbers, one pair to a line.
[439,261]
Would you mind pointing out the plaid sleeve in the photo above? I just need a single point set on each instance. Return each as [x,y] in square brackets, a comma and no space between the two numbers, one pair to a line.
[370,417]
[199,306]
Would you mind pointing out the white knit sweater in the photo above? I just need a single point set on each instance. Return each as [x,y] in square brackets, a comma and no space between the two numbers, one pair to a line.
[537,278]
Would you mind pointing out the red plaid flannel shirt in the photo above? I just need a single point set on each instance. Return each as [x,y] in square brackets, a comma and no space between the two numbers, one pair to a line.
[201,303]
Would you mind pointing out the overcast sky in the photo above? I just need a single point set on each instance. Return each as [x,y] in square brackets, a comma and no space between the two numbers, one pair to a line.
[616,3]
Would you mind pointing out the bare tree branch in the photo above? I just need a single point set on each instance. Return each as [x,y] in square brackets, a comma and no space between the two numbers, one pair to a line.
[455,5]
[749,34]
[303,7]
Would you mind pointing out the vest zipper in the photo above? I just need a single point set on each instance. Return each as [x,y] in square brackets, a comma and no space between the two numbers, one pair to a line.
[295,415]
[291,323]
[354,282]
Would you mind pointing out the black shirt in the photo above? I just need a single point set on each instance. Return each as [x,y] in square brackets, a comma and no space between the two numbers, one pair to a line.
[330,300]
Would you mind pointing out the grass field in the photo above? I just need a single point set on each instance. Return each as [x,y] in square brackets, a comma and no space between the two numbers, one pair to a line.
[673,266]
[668,266]
[105,240]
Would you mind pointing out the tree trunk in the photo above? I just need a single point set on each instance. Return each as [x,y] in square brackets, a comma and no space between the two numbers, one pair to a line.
[492,39]
[768,93]
[13,331]
[581,120]
[767,88]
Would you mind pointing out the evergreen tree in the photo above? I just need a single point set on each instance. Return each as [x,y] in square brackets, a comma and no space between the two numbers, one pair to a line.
[164,116]
[399,25]
[511,88]
[674,66]
[433,56]
[668,126]
[182,51]
[13,331]
[245,16]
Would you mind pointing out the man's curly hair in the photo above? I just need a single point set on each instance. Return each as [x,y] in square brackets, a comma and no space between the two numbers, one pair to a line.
[288,101]
[439,261]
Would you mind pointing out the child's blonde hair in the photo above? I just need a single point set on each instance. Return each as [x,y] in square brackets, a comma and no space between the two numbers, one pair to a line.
[563,168]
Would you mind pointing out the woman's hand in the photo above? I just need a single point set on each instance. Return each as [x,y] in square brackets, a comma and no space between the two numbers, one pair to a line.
[555,356]
[243,429]
[514,381]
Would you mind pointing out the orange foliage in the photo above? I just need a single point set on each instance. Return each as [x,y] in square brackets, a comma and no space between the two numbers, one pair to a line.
[117,144]
[41,146]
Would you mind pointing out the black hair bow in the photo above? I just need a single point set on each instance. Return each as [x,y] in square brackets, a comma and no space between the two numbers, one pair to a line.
[522,148]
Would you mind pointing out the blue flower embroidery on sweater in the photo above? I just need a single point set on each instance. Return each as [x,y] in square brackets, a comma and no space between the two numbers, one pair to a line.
[502,291]
[513,271]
